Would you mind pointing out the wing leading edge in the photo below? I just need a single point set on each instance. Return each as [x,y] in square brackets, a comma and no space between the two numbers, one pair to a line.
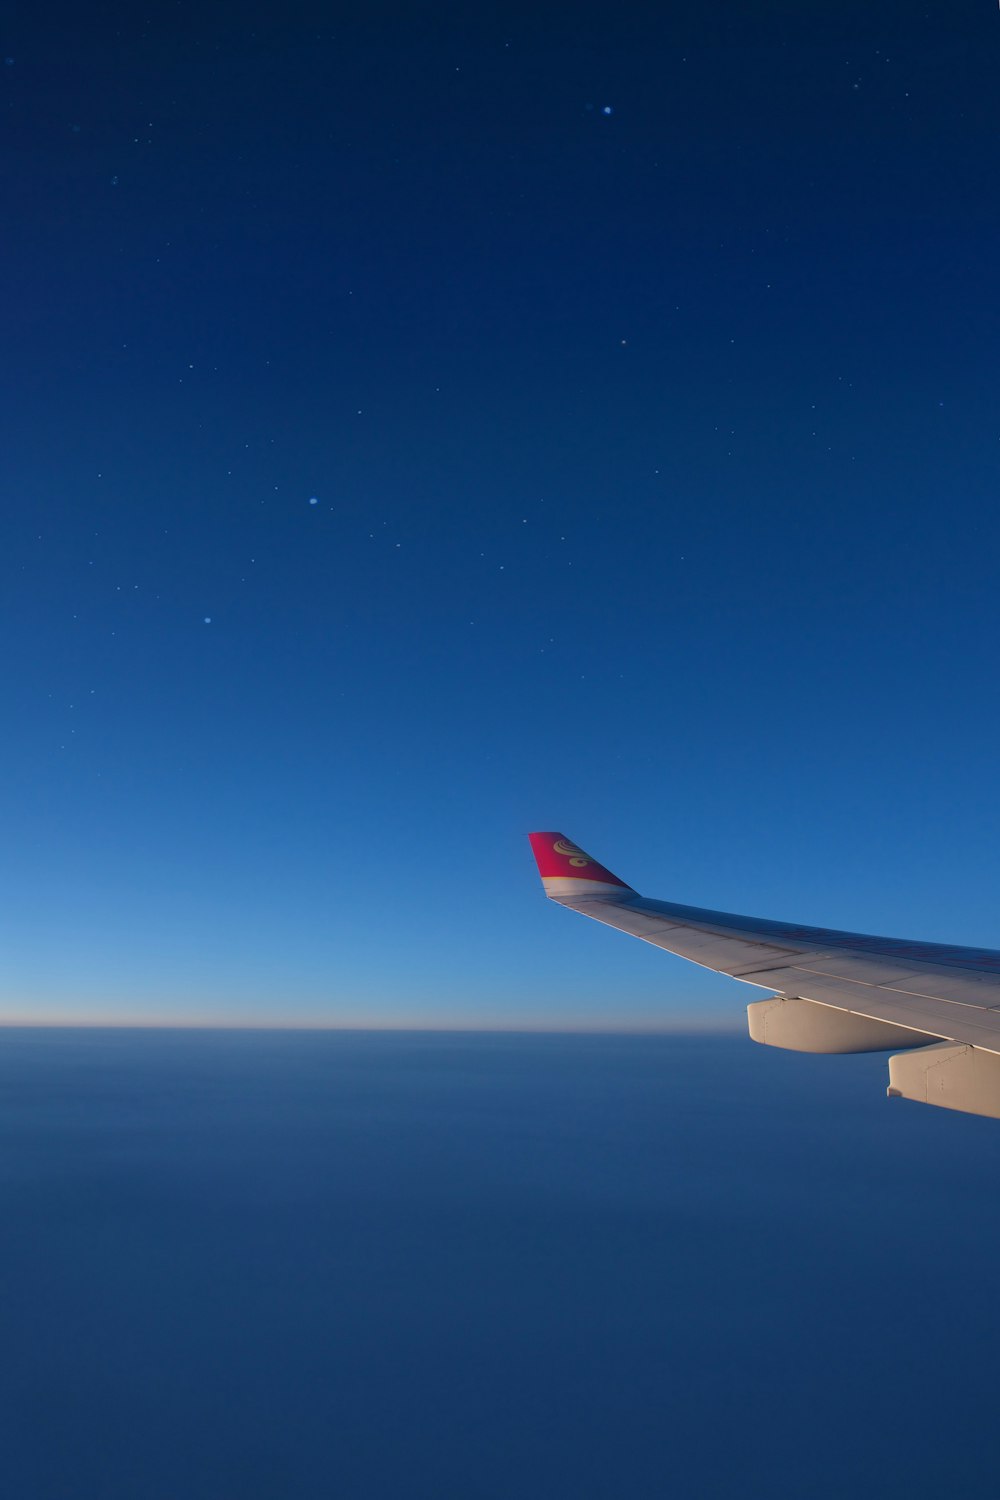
[831,991]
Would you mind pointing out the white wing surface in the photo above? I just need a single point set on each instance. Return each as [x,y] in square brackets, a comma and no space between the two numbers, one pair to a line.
[830,991]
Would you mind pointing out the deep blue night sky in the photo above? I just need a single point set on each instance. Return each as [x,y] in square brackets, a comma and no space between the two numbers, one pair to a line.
[641,365]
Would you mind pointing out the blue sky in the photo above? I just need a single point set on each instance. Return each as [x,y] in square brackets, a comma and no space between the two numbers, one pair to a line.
[403,452]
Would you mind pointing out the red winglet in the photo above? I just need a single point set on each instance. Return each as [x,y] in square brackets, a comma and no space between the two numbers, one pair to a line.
[555,855]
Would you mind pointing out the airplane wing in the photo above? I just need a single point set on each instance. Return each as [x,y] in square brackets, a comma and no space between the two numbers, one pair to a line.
[937,1006]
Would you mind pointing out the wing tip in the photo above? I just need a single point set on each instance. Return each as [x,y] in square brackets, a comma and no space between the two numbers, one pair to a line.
[563,865]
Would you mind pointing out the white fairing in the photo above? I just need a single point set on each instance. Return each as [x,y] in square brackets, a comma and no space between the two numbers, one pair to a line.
[803,1026]
[965,1078]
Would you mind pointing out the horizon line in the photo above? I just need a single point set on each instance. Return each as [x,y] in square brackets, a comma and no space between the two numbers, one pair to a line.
[624,1028]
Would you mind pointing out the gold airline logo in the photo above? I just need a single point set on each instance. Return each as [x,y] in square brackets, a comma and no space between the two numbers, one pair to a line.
[575,856]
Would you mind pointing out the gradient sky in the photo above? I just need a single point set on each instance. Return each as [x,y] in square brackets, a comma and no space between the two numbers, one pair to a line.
[425,424]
